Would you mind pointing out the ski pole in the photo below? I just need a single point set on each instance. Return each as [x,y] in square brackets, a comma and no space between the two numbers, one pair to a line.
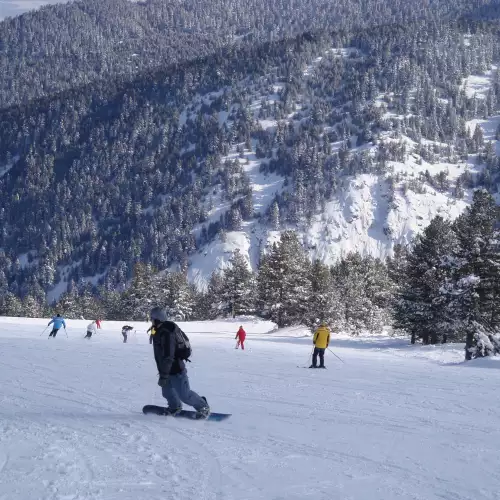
[44,330]
[66,333]
[310,355]
[335,355]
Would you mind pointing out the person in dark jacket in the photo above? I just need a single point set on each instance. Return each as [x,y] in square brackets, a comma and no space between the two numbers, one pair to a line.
[173,378]
[125,331]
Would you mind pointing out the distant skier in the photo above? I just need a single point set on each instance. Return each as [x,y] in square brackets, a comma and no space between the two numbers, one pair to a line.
[58,321]
[125,330]
[98,323]
[240,335]
[171,347]
[91,328]
[321,340]
[153,331]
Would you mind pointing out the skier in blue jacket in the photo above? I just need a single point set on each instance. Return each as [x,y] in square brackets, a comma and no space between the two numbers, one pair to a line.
[58,321]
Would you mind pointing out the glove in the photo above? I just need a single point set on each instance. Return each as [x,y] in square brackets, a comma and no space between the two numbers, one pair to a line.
[162,381]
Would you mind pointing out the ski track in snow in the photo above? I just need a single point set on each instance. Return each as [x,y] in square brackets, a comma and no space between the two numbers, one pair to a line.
[393,422]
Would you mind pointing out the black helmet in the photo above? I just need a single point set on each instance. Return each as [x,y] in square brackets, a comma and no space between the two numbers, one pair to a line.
[158,314]
[58,315]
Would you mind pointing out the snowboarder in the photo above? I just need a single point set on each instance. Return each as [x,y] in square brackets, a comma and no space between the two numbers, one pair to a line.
[153,331]
[321,340]
[240,335]
[125,330]
[171,347]
[58,321]
[91,328]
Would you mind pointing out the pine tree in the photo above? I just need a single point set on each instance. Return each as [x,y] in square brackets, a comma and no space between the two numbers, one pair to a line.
[397,266]
[32,307]
[475,288]
[10,305]
[275,216]
[89,303]
[215,293]
[284,288]
[111,305]
[325,303]
[239,286]
[421,306]
[68,304]
[365,289]
[181,297]
[202,305]
[236,220]
[141,296]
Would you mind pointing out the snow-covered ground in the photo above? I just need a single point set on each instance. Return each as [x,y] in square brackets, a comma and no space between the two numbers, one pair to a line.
[392,422]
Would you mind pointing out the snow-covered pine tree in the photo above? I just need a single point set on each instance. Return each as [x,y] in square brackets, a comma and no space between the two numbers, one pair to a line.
[140,297]
[32,307]
[365,307]
[89,304]
[274,216]
[239,286]
[180,298]
[284,288]
[475,288]
[379,290]
[325,303]
[111,305]
[202,304]
[215,292]
[235,219]
[68,303]
[421,306]
[397,269]
[10,305]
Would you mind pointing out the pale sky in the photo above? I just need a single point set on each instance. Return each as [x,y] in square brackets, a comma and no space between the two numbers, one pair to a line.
[16,7]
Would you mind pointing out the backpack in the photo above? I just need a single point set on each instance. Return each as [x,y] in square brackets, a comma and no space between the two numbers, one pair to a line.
[183,346]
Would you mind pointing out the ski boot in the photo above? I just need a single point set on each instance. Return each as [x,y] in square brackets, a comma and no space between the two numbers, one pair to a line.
[173,411]
[203,413]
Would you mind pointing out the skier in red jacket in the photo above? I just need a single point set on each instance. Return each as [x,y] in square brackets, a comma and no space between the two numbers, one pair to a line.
[240,335]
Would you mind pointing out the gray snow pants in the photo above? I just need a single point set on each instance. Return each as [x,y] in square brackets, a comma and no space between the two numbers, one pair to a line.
[177,391]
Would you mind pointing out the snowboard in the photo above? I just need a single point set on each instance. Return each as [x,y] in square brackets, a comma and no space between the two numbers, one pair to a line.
[161,410]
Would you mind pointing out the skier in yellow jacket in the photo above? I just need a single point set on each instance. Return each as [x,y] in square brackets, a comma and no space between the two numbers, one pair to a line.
[151,331]
[321,340]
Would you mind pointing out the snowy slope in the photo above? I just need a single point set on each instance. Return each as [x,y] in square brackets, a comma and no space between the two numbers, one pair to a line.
[393,422]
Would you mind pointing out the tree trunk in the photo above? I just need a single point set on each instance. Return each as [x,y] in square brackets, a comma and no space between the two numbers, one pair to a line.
[434,338]
[445,338]
[425,339]
[413,337]
[469,340]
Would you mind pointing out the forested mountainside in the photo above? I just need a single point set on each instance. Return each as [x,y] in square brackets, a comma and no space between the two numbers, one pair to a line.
[152,165]
[65,46]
